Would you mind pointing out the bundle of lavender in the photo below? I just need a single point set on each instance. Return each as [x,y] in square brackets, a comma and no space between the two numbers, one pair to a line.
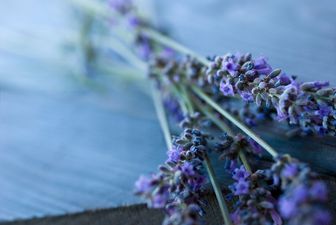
[194,90]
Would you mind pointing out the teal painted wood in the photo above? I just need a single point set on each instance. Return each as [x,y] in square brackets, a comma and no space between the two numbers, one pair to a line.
[65,147]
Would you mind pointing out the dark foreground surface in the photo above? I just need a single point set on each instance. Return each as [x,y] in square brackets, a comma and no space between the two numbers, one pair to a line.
[129,215]
[139,214]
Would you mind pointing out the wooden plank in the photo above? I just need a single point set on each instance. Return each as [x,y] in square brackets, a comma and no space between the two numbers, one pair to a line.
[65,148]
[137,214]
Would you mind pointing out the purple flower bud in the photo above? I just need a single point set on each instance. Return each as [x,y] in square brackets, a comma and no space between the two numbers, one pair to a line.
[144,50]
[227,89]
[321,84]
[285,79]
[188,169]
[324,111]
[261,66]
[300,193]
[231,67]
[241,187]
[160,200]
[240,173]
[319,191]
[134,21]
[290,170]
[174,154]
[143,184]
[246,96]
[287,207]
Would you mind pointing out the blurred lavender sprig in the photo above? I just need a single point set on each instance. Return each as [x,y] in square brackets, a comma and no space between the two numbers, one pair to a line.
[304,196]
[255,204]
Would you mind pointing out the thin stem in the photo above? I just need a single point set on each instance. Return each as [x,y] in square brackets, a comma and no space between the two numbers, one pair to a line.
[228,116]
[185,96]
[173,44]
[178,96]
[93,7]
[162,116]
[120,48]
[243,158]
[218,192]
[224,127]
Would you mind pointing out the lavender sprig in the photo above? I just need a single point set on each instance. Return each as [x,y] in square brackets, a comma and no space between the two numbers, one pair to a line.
[311,105]
[256,204]
[304,195]
[178,185]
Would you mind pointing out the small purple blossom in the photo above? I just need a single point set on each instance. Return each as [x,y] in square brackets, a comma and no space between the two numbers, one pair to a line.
[246,96]
[284,79]
[231,64]
[300,194]
[227,89]
[144,50]
[303,194]
[188,169]
[160,200]
[287,207]
[143,184]
[290,170]
[321,84]
[261,66]
[319,191]
[241,187]
[174,154]
[240,173]
[134,21]
[324,111]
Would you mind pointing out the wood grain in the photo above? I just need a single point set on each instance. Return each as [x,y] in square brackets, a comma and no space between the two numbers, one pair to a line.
[66,147]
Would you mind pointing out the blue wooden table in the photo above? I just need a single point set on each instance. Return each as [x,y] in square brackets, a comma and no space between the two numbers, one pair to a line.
[66,146]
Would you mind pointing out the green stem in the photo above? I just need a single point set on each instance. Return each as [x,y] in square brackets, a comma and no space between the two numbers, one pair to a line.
[93,7]
[185,96]
[170,43]
[218,192]
[178,96]
[120,48]
[228,116]
[243,158]
[162,116]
